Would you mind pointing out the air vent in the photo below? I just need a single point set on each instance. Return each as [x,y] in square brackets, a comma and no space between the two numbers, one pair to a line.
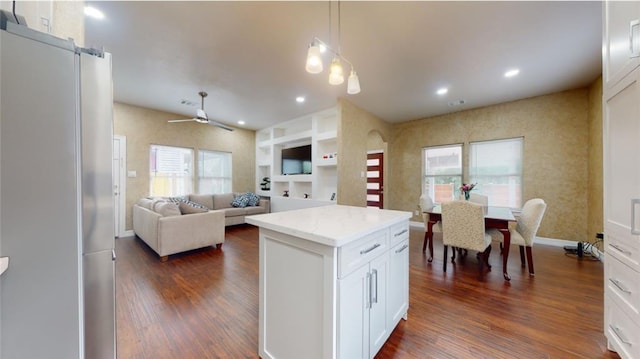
[456,103]
[188,103]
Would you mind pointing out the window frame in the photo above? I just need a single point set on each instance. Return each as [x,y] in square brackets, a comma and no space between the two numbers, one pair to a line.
[518,175]
[425,176]
[188,185]
[228,186]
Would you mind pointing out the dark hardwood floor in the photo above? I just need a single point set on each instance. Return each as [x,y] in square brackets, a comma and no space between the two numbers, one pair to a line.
[204,304]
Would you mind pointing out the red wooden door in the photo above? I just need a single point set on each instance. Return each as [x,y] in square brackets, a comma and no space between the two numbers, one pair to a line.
[375,184]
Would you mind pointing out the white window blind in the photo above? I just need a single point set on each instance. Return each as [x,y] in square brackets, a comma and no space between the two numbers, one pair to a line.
[442,175]
[496,167]
[214,172]
[170,171]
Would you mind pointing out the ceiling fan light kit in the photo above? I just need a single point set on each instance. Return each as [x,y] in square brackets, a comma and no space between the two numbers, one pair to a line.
[201,116]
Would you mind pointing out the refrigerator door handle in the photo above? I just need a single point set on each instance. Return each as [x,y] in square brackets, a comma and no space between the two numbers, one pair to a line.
[113,255]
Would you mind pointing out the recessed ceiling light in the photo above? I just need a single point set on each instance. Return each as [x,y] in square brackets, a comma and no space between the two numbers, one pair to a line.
[299,99]
[93,12]
[511,73]
[442,91]
[240,122]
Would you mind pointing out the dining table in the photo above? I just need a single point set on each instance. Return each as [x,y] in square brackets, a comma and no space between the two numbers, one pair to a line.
[494,217]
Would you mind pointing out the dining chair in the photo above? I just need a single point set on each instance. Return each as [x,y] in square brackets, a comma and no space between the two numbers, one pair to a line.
[426,203]
[463,227]
[479,199]
[524,233]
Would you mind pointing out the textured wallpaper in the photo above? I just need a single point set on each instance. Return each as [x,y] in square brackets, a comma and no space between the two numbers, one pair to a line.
[596,211]
[556,131]
[144,127]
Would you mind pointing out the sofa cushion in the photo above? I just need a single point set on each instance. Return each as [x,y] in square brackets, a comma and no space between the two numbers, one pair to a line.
[189,207]
[222,201]
[203,199]
[167,209]
[146,203]
[233,211]
[240,201]
[255,210]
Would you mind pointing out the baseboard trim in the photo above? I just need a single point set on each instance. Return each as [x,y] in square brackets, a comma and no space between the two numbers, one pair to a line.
[129,233]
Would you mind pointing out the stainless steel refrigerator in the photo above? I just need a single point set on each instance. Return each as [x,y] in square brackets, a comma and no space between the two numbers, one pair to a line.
[57,298]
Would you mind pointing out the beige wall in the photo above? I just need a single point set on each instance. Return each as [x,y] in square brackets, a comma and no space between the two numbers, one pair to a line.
[595,219]
[556,154]
[144,127]
[66,17]
[358,132]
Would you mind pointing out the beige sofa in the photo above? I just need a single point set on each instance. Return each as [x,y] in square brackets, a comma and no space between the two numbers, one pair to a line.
[167,231]
[232,215]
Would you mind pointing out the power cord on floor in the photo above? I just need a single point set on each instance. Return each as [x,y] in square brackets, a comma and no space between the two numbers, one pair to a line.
[586,250]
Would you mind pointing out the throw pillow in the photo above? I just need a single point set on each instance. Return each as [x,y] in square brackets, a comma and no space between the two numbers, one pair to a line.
[240,201]
[167,209]
[253,199]
[188,207]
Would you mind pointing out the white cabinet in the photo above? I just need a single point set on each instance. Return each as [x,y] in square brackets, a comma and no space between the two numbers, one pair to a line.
[325,299]
[621,40]
[318,188]
[621,144]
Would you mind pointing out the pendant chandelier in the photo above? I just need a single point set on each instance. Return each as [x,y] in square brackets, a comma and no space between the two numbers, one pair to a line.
[336,73]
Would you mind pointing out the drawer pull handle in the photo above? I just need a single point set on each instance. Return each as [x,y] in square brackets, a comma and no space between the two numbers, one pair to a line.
[400,233]
[620,249]
[365,251]
[634,203]
[618,333]
[619,285]
[402,249]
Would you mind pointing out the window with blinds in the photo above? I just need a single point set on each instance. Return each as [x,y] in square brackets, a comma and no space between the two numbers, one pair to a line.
[214,172]
[496,167]
[442,172]
[171,171]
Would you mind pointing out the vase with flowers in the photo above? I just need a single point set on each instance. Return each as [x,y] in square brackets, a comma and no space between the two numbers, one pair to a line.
[466,189]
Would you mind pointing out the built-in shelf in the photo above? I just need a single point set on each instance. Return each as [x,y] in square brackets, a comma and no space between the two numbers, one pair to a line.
[320,130]
[4,264]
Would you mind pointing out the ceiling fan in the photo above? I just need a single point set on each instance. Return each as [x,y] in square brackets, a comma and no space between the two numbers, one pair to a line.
[201,116]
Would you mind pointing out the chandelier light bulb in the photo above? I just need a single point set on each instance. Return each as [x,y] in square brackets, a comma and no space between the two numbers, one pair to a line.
[314,60]
[336,76]
[353,83]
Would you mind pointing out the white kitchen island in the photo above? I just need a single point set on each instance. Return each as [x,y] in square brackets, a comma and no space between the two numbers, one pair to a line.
[334,281]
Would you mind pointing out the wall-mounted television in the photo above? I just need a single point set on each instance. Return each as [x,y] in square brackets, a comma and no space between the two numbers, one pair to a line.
[296,160]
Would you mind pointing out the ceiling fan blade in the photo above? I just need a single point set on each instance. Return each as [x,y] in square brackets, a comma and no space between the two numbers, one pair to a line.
[218,124]
[185,120]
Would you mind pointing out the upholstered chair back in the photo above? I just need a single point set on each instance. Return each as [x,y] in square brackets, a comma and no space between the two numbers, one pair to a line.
[530,219]
[463,225]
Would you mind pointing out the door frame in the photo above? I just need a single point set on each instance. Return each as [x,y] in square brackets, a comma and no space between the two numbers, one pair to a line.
[122,186]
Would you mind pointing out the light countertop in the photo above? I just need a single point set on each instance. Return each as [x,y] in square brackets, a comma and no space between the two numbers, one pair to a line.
[333,225]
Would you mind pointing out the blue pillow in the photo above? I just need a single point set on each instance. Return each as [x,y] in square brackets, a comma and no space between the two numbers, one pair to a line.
[253,199]
[240,201]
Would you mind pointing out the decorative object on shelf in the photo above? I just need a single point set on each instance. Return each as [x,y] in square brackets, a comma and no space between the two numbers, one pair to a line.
[266,184]
[286,193]
[466,189]
[333,196]
[306,195]
[336,74]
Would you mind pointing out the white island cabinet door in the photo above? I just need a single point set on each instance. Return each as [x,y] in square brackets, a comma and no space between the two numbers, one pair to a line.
[353,314]
[378,328]
[398,283]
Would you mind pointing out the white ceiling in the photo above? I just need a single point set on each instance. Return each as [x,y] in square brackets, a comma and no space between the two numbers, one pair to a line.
[250,56]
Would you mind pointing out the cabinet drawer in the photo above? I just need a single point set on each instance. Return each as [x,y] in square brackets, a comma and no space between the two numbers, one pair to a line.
[398,233]
[624,247]
[361,251]
[621,282]
[621,332]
